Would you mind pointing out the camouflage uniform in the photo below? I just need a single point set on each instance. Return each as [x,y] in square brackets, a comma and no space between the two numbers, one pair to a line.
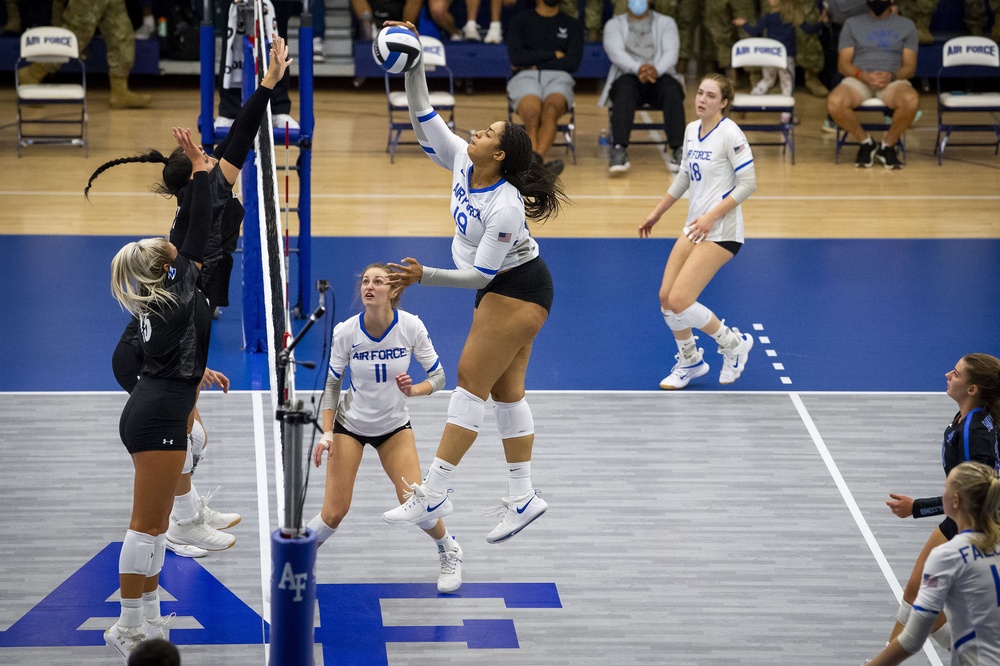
[593,16]
[810,51]
[920,12]
[718,18]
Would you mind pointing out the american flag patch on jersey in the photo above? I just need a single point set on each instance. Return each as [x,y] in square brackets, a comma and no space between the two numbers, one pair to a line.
[738,149]
[504,237]
[930,580]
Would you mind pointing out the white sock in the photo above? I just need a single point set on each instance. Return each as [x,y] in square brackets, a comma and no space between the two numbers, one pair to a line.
[868,139]
[131,616]
[943,636]
[688,350]
[151,604]
[725,337]
[471,24]
[322,530]
[438,476]
[186,507]
[519,479]
[149,21]
[447,542]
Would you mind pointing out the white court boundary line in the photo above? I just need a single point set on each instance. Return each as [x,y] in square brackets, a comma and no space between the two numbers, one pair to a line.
[855,510]
[263,511]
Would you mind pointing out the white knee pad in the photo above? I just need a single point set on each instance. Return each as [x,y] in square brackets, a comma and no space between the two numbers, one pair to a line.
[159,552]
[188,459]
[673,323]
[903,614]
[514,419]
[695,316]
[199,438]
[466,410]
[137,553]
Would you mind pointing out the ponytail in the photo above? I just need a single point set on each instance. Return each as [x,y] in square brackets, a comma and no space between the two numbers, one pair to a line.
[176,171]
[984,372]
[979,489]
[539,187]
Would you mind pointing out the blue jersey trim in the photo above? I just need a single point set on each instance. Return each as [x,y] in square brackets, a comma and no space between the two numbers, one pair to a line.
[965,430]
[728,193]
[742,165]
[424,119]
[485,271]
[428,149]
[965,639]
[492,187]
[437,364]
[395,319]
[925,610]
[702,138]
[334,372]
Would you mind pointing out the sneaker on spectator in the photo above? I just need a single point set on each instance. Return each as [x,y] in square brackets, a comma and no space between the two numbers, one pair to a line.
[889,156]
[450,578]
[456,37]
[147,29]
[318,50]
[618,163]
[829,126]
[495,34]
[866,154]
[278,121]
[471,31]
[675,159]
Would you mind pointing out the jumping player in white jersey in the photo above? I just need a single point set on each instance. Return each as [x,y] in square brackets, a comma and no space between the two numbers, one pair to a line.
[377,345]
[960,575]
[974,385]
[718,173]
[496,187]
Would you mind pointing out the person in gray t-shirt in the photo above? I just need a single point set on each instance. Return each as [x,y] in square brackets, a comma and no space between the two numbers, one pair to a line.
[877,56]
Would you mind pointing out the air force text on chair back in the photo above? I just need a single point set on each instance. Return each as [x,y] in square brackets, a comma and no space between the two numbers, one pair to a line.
[32,41]
[768,50]
[984,49]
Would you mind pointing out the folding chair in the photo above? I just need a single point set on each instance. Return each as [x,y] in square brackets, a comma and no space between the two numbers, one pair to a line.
[565,128]
[968,53]
[50,44]
[436,66]
[642,126]
[761,52]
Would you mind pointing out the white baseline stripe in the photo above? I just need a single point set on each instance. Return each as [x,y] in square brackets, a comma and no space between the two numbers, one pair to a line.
[263,511]
[856,512]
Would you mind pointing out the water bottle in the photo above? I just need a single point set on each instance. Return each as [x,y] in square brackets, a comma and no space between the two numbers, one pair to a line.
[161,27]
[603,144]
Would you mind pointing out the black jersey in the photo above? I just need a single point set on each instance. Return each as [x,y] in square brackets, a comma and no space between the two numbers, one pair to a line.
[972,439]
[175,338]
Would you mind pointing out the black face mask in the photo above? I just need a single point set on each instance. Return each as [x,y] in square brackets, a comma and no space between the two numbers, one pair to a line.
[878,7]
[552,3]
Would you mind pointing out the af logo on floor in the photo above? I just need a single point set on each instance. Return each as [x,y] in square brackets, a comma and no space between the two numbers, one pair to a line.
[351,630]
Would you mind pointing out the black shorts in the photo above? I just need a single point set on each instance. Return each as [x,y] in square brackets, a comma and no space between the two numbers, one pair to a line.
[374,442]
[126,363]
[530,282]
[732,246]
[948,528]
[156,415]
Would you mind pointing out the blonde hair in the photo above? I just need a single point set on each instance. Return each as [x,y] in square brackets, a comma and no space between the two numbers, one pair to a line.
[137,276]
[983,371]
[979,489]
[725,88]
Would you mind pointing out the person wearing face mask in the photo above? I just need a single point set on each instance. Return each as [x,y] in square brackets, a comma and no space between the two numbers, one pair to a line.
[643,46]
[545,47]
[877,56]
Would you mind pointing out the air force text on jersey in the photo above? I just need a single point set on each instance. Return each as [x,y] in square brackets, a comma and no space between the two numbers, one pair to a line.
[380,354]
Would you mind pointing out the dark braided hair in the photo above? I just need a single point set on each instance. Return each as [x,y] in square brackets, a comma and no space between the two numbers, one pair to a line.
[540,188]
[176,171]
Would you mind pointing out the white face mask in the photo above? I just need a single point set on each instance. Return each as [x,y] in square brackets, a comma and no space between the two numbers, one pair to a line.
[638,7]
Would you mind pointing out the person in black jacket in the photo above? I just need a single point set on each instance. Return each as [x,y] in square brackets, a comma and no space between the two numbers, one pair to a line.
[974,384]
[545,47]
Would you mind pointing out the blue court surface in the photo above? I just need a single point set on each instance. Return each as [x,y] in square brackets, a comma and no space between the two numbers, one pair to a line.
[829,315]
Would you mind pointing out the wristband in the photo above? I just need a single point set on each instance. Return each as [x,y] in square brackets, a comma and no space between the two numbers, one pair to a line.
[327,437]
[857,74]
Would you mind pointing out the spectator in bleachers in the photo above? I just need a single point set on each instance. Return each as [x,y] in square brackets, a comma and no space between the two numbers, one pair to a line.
[83,18]
[810,48]
[718,18]
[442,17]
[593,13]
[685,15]
[878,55]
[921,12]
[545,48]
[642,46]
[371,14]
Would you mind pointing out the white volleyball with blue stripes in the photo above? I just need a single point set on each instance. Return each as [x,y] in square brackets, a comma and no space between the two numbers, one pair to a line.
[396,49]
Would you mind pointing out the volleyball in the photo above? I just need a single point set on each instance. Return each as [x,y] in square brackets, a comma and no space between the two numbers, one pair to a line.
[396,49]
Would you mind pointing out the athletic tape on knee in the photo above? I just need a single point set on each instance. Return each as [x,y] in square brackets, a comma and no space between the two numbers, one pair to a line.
[198,440]
[188,459]
[136,556]
[903,614]
[695,316]
[673,323]
[514,419]
[466,410]
[159,553]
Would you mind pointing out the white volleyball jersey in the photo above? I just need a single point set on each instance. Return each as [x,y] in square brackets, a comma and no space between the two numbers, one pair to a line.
[711,163]
[965,583]
[491,232]
[372,404]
